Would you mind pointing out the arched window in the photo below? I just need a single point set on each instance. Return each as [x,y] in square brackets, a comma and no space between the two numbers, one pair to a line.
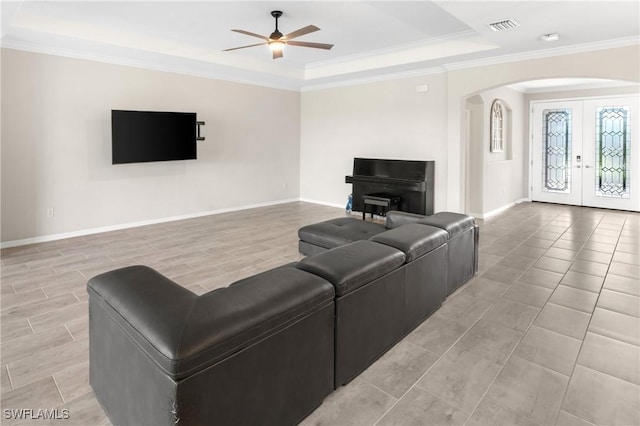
[498,120]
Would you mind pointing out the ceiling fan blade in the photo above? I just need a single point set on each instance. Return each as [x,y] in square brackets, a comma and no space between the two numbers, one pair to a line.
[277,54]
[302,31]
[244,47]
[251,34]
[309,44]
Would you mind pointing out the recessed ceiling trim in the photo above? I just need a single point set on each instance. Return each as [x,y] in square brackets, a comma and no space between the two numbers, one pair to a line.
[214,74]
[394,49]
[623,42]
[378,78]
[565,84]
[398,57]
[292,85]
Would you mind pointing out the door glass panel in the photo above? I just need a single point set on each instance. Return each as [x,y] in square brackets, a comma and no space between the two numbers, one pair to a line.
[613,147]
[557,150]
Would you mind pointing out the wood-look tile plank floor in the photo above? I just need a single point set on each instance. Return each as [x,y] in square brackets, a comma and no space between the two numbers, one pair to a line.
[547,333]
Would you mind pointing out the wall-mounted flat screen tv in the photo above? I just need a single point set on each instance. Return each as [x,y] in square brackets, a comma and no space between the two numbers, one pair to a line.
[144,136]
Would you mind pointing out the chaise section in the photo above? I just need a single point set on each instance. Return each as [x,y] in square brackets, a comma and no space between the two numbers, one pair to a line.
[425,249]
[462,260]
[320,237]
[258,352]
[370,302]
[462,238]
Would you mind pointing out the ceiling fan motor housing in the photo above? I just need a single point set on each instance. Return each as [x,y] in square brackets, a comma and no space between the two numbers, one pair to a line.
[276,35]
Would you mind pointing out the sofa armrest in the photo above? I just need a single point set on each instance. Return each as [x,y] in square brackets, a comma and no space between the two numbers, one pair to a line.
[184,332]
[151,304]
[397,218]
[259,352]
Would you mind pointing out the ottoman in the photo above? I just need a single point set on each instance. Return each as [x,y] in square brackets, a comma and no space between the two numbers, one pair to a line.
[370,302]
[462,258]
[425,249]
[320,237]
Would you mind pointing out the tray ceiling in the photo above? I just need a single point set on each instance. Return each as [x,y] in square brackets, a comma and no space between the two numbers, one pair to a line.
[371,38]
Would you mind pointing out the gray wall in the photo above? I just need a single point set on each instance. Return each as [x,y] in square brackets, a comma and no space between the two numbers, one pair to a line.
[388,119]
[263,145]
[56,146]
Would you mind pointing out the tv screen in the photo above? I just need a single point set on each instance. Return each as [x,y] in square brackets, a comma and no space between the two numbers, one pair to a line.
[144,136]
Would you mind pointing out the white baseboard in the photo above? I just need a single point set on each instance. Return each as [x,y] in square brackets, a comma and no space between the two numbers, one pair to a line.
[340,206]
[323,203]
[499,210]
[83,232]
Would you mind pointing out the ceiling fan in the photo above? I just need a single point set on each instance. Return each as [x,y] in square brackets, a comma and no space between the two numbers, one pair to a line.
[276,41]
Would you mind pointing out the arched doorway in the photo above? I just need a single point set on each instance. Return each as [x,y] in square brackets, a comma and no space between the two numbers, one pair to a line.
[494,181]
[615,63]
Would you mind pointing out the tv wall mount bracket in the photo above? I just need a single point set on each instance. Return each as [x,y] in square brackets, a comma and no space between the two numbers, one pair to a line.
[198,124]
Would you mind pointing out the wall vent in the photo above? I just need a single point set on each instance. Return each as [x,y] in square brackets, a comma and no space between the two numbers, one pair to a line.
[504,25]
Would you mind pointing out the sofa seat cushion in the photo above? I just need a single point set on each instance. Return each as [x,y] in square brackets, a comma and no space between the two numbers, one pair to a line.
[338,232]
[413,239]
[201,330]
[453,223]
[353,265]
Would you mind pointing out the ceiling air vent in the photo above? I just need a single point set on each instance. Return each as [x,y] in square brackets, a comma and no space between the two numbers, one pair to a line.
[504,25]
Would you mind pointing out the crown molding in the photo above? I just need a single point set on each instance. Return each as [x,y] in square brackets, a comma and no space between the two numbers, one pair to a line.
[214,74]
[495,60]
[301,85]
[374,79]
[545,53]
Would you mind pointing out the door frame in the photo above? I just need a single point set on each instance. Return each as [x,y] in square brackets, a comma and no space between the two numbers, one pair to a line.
[574,196]
[565,99]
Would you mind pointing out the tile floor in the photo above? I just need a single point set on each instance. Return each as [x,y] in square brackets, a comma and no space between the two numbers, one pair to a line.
[547,333]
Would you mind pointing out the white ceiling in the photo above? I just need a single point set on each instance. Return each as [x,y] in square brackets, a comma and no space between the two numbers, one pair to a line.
[372,39]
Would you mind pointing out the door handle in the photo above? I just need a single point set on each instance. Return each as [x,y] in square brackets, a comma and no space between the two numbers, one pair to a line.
[578,166]
[587,167]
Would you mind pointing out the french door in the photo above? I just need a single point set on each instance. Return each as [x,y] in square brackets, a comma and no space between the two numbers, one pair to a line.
[586,153]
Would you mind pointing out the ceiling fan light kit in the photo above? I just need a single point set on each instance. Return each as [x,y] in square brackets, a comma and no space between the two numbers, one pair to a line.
[276,41]
[276,45]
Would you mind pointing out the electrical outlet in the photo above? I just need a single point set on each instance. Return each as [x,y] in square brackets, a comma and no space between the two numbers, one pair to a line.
[50,212]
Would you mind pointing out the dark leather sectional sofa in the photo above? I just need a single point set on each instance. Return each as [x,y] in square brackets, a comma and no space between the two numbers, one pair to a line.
[268,349]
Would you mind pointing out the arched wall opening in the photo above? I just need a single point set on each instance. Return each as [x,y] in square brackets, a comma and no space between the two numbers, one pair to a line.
[497,180]
[619,64]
